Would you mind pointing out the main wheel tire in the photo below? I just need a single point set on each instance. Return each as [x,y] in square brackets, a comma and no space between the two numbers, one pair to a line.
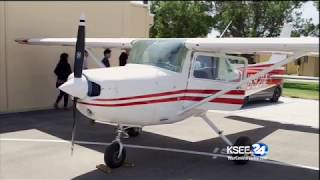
[111,155]
[133,131]
[276,95]
[242,141]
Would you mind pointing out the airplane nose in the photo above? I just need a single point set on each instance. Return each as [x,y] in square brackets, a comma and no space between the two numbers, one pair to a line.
[77,87]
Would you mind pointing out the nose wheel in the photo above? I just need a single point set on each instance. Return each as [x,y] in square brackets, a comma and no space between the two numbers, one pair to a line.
[115,153]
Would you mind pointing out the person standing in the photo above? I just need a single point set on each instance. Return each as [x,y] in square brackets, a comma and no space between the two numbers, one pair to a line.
[62,71]
[105,60]
[123,59]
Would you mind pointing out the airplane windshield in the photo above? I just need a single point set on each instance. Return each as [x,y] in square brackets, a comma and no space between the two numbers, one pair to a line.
[167,54]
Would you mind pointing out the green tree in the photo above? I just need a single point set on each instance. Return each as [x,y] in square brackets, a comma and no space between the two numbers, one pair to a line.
[181,19]
[253,18]
[305,27]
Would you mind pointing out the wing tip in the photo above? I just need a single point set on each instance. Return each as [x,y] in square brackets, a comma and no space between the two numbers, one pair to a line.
[22,41]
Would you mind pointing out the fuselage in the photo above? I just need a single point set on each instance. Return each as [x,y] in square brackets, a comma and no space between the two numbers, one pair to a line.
[161,79]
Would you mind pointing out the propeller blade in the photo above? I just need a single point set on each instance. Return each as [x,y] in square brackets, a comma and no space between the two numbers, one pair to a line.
[78,65]
[74,125]
[80,47]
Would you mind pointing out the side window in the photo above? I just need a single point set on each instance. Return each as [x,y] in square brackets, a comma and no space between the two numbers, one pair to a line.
[206,67]
[216,68]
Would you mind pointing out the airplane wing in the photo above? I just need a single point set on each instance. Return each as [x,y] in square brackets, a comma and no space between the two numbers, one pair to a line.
[223,45]
[124,43]
[254,45]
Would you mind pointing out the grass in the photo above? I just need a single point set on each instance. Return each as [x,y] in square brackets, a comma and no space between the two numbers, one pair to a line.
[305,90]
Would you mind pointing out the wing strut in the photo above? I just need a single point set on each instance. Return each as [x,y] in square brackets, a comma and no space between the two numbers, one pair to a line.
[94,57]
[239,84]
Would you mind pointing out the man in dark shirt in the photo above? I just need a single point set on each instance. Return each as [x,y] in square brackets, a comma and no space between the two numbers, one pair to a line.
[123,58]
[62,71]
[107,55]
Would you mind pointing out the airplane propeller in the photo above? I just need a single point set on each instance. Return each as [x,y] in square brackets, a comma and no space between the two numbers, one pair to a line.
[74,117]
[78,66]
[80,47]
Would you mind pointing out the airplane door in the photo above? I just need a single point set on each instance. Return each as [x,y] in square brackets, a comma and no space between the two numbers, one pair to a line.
[210,73]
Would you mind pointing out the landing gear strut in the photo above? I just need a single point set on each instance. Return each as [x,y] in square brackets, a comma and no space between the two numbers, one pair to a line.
[241,141]
[115,154]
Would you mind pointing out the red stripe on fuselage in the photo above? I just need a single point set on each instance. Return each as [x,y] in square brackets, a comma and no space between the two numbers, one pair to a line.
[192,91]
[182,98]
[216,100]
[259,65]
[277,71]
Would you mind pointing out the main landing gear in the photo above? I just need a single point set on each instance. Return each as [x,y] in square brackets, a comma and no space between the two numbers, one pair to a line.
[133,131]
[115,154]
[276,95]
[241,141]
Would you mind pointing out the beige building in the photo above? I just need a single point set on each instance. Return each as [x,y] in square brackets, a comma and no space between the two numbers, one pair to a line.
[27,81]
[308,66]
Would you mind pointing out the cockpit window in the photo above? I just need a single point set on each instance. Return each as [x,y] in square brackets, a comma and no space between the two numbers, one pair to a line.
[167,54]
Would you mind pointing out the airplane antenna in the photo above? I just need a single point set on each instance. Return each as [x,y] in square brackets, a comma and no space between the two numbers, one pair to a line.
[225,29]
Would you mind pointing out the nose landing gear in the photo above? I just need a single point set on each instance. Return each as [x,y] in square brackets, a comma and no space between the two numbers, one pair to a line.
[115,154]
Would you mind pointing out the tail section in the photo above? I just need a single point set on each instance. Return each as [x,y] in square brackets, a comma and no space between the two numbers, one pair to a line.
[285,32]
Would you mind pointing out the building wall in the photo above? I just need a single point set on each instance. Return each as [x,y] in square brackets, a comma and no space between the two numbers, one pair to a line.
[291,68]
[262,57]
[27,81]
[309,66]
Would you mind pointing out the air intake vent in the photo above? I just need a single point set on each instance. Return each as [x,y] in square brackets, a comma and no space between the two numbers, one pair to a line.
[94,89]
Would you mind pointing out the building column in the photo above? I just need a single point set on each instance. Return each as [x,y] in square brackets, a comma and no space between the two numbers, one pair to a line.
[3,64]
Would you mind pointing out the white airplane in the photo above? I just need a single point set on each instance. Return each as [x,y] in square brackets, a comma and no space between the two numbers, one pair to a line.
[167,80]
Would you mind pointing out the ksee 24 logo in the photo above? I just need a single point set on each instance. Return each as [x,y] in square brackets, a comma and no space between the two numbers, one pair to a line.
[258,149]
